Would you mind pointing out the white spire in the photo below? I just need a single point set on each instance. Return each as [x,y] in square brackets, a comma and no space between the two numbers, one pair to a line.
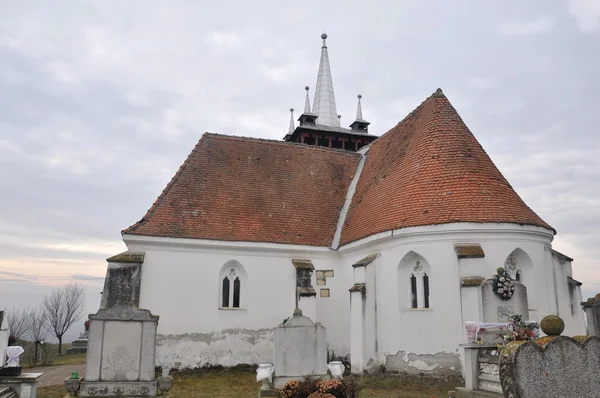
[292,126]
[307,101]
[359,109]
[324,103]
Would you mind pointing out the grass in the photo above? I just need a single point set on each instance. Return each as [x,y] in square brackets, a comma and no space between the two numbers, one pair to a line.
[49,356]
[236,384]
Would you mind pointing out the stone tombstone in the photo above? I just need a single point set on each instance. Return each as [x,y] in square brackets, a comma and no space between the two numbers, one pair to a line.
[300,349]
[552,366]
[494,309]
[123,279]
[4,335]
[592,313]
[121,347]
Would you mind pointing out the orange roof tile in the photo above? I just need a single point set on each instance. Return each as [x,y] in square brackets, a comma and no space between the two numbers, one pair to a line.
[430,169]
[245,189]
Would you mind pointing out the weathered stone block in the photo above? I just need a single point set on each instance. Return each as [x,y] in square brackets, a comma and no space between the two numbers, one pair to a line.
[553,366]
[123,280]
[299,350]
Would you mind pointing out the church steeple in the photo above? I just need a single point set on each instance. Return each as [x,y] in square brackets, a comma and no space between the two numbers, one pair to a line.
[324,103]
[321,124]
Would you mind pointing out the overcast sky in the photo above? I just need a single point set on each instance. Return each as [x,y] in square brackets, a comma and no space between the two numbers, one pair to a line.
[101,101]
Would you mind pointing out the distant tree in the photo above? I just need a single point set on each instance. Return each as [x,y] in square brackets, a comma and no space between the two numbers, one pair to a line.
[62,308]
[37,328]
[18,322]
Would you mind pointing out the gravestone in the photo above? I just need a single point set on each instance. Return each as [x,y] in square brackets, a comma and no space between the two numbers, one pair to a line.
[495,310]
[592,313]
[80,344]
[300,349]
[121,350]
[552,366]
[4,335]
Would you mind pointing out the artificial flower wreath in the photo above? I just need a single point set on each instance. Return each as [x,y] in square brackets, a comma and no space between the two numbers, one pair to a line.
[503,284]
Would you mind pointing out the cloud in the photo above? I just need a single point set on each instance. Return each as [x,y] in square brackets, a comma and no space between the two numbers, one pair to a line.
[103,101]
[542,25]
[482,83]
[587,13]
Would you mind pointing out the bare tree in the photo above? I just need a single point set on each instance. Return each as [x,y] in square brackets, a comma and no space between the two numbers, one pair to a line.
[37,328]
[18,322]
[62,308]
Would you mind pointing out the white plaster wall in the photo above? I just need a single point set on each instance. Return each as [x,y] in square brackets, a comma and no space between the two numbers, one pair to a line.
[436,332]
[573,316]
[181,283]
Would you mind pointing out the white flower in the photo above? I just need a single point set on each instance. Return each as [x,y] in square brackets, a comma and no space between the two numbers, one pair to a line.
[500,285]
[502,279]
[500,291]
[509,294]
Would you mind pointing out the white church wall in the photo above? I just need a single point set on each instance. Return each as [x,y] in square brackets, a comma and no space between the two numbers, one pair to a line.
[333,312]
[569,297]
[182,282]
[427,340]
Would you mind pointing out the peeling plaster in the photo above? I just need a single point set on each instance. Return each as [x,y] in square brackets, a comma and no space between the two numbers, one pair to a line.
[228,347]
[442,363]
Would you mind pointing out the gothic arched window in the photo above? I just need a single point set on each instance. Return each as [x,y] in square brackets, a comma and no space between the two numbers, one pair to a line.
[419,286]
[232,285]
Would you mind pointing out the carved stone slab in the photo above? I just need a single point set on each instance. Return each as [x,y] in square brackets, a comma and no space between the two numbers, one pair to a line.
[551,367]
[118,389]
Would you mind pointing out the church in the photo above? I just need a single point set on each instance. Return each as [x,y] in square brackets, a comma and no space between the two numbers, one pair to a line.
[385,240]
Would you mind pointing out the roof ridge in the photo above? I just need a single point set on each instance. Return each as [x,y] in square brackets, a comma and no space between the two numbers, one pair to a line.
[278,142]
[436,94]
[166,190]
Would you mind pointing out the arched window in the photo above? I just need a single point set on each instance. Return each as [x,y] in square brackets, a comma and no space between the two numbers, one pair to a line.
[419,286]
[232,285]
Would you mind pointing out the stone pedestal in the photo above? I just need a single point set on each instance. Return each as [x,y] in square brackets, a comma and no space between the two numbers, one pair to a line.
[300,349]
[121,347]
[24,385]
[592,313]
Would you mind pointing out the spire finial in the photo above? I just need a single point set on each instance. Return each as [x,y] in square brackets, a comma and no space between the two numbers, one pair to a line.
[359,115]
[292,126]
[324,102]
[307,101]
[339,119]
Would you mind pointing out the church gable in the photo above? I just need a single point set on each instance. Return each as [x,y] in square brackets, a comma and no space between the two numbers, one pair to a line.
[427,170]
[253,190]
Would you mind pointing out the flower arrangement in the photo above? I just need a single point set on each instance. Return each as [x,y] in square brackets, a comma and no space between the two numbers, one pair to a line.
[503,284]
[311,388]
[518,330]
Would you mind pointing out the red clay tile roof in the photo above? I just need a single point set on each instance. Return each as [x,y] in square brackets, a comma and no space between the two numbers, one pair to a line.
[244,189]
[427,170]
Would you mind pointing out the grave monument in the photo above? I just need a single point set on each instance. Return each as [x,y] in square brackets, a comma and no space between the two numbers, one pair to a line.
[592,313]
[552,366]
[121,349]
[14,383]
[300,350]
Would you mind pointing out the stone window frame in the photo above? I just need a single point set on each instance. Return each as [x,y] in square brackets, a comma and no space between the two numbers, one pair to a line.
[231,272]
[419,286]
